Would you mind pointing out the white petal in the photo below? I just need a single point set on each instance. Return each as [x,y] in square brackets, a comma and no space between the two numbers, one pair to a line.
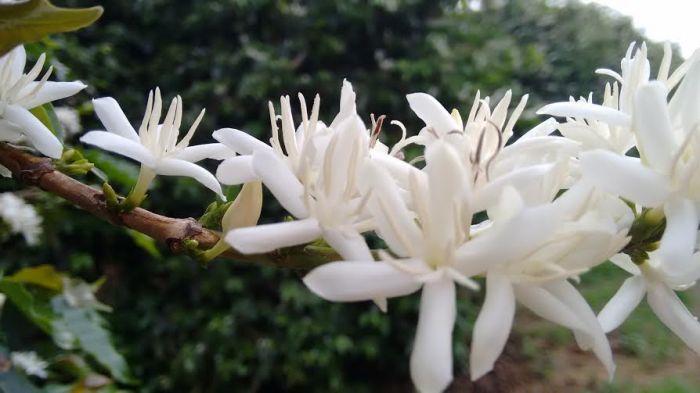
[214,151]
[173,167]
[447,182]
[120,145]
[653,126]
[9,132]
[113,118]
[547,306]
[523,233]
[19,59]
[621,305]
[685,102]
[395,223]
[352,281]
[588,111]
[593,336]
[4,172]
[239,141]
[543,129]
[281,181]
[265,238]
[432,113]
[51,91]
[431,359]
[530,181]
[624,176]
[624,262]
[37,133]
[678,241]
[236,170]
[492,326]
[349,244]
[347,104]
[673,313]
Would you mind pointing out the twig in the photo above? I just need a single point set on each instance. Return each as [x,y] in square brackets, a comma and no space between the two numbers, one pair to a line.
[174,232]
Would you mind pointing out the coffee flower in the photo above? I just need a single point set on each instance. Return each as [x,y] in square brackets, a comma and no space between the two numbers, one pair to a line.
[156,145]
[20,92]
[433,249]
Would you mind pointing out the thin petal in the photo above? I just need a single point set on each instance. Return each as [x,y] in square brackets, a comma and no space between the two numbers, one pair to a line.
[653,126]
[678,241]
[18,55]
[524,232]
[353,281]
[349,244]
[113,118]
[214,151]
[265,238]
[239,141]
[684,104]
[236,170]
[245,209]
[547,306]
[447,184]
[173,167]
[120,145]
[37,133]
[621,305]
[395,222]
[492,326]
[431,359]
[281,181]
[624,176]
[432,113]
[51,91]
[588,111]
[4,172]
[673,313]
[593,336]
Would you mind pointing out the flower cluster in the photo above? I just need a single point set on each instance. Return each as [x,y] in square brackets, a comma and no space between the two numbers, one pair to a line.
[21,217]
[525,217]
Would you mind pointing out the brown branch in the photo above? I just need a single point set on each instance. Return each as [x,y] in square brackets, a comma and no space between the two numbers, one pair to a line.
[40,172]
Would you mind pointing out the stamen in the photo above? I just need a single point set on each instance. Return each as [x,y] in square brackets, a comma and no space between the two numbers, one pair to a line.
[376,129]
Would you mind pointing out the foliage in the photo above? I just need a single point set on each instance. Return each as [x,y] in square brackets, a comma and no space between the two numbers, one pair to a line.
[33,20]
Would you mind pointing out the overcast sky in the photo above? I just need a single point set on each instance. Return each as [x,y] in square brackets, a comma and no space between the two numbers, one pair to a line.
[663,20]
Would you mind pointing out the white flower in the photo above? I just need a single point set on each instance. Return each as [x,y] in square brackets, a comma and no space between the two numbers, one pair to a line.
[433,248]
[314,177]
[30,363]
[22,217]
[595,229]
[536,165]
[20,92]
[657,282]
[155,146]
[608,126]
[69,119]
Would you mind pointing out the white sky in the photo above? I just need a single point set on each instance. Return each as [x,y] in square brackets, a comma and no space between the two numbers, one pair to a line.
[663,20]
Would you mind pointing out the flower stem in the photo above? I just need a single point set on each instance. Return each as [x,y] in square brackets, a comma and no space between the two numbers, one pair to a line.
[138,193]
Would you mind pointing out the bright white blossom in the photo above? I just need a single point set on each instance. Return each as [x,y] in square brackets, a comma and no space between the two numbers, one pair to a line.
[21,217]
[20,92]
[156,145]
[30,363]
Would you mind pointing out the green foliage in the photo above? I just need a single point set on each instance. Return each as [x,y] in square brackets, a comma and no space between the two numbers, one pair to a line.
[33,20]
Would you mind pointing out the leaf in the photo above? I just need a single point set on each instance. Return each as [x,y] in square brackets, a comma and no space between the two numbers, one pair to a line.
[38,312]
[35,19]
[117,170]
[44,276]
[12,382]
[145,242]
[93,338]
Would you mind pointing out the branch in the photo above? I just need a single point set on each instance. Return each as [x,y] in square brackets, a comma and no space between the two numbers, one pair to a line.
[40,172]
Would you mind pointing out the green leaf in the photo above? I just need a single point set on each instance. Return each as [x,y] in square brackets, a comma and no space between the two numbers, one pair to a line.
[145,242]
[117,170]
[35,19]
[93,338]
[39,313]
[12,382]
[43,275]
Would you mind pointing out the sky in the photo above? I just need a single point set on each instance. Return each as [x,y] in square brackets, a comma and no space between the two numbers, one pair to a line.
[663,20]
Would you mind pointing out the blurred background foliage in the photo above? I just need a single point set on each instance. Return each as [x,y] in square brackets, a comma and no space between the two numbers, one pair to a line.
[237,327]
